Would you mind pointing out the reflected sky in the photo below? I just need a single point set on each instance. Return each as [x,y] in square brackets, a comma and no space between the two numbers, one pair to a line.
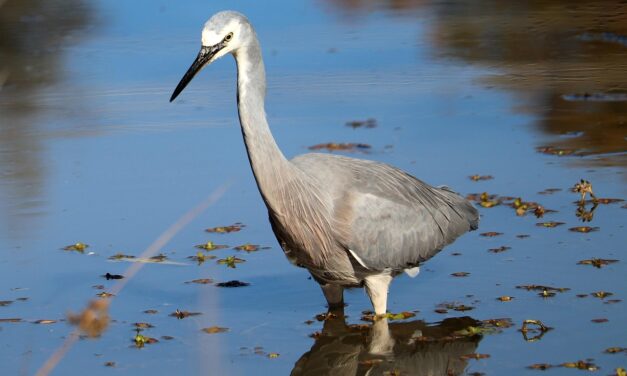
[91,150]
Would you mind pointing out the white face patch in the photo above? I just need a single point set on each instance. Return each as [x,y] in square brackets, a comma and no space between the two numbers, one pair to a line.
[213,34]
[210,38]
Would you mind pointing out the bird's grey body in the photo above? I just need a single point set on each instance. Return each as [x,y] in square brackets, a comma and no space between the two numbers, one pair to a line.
[350,222]
[386,220]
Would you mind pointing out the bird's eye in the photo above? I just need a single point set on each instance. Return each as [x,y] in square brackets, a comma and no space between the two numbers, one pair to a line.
[228,37]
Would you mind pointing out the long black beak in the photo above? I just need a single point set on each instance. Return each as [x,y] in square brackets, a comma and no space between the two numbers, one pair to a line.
[204,56]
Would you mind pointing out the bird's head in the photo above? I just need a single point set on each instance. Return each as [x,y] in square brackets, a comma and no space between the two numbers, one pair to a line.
[224,33]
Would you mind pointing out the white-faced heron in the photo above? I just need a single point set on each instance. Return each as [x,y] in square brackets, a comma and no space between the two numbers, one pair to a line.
[350,222]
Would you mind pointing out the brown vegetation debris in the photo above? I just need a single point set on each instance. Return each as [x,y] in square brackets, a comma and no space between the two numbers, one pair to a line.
[460,274]
[505,298]
[143,325]
[368,123]
[584,229]
[249,247]
[78,247]
[183,314]
[540,366]
[615,350]
[346,146]
[120,256]
[11,319]
[498,323]
[601,294]
[541,287]
[606,201]
[584,187]
[549,191]
[226,229]
[211,246]
[500,249]
[581,364]
[480,177]
[140,340]
[491,234]
[231,261]
[549,224]
[596,262]
[215,329]
[200,257]
[201,281]
[600,320]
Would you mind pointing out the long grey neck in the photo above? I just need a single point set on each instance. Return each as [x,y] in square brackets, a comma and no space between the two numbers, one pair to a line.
[269,165]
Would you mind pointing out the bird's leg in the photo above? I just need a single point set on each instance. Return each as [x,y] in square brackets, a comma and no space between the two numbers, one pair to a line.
[334,295]
[377,289]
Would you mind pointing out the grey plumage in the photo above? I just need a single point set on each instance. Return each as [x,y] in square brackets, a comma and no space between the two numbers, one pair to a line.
[388,218]
[348,221]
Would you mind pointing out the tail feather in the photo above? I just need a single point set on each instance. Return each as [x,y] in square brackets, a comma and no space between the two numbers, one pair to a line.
[464,208]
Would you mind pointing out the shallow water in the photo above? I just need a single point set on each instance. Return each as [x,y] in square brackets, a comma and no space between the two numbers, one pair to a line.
[91,151]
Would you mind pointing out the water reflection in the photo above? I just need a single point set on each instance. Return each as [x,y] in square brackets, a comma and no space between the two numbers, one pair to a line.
[411,348]
[33,34]
[564,60]
[583,213]
[401,7]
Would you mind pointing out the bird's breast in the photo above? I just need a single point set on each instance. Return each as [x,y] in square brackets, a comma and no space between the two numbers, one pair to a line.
[308,241]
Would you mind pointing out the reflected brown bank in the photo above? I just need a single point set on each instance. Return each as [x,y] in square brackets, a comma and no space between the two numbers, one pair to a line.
[407,348]
[563,60]
[33,35]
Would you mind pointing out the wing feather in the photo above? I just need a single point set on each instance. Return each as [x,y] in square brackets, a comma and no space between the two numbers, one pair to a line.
[386,217]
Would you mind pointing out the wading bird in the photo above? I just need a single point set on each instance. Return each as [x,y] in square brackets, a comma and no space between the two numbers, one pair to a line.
[350,222]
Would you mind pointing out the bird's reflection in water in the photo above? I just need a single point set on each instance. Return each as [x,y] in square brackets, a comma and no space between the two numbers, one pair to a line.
[406,348]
